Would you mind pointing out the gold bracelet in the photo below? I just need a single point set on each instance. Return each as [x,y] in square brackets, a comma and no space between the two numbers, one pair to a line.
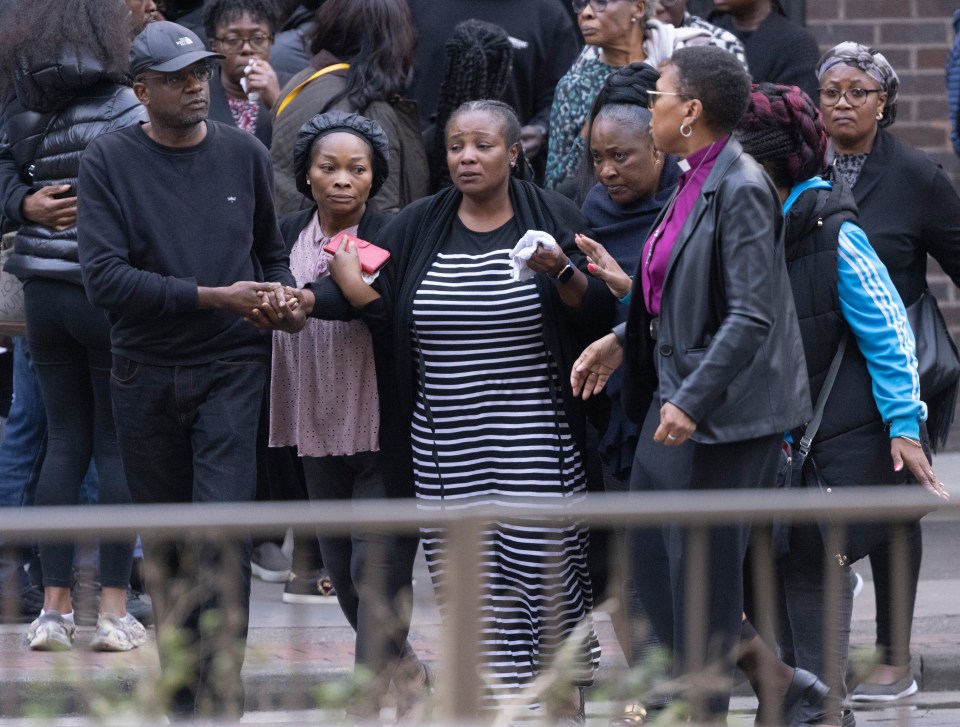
[914,442]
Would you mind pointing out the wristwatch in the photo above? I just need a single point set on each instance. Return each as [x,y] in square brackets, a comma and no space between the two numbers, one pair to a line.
[564,275]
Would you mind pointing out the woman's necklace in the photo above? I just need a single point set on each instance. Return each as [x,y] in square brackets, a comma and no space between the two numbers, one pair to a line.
[658,233]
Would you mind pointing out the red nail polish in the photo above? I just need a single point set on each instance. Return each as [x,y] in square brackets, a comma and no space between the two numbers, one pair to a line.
[591,267]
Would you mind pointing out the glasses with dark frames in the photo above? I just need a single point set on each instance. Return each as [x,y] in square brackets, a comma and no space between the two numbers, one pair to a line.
[854,96]
[179,78]
[653,95]
[234,43]
[598,5]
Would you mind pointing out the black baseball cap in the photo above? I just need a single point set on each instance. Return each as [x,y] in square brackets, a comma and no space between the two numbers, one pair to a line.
[166,47]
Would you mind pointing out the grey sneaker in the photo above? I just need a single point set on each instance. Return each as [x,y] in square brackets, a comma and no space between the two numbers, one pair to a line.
[268,563]
[51,632]
[870,692]
[118,634]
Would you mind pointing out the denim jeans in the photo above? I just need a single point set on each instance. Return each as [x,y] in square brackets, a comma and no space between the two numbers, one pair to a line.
[25,433]
[188,434]
[21,455]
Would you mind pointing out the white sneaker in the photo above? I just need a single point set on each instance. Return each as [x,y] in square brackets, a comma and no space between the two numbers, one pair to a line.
[118,634]
[51,632]
[857,583]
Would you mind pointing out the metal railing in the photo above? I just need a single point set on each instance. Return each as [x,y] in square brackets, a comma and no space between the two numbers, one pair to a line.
[459,688]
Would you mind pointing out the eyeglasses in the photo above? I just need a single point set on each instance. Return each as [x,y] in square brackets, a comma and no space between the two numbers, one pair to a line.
[234,43]
[854,96]
[653,95]
[179,78]
[598,5]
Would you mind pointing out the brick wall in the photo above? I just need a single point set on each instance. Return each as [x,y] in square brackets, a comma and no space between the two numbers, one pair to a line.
[915,36]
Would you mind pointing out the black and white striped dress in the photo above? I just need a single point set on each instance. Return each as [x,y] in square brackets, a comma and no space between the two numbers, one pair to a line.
[489,427]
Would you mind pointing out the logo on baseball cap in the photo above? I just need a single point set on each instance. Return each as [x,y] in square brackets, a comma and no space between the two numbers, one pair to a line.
[166,47]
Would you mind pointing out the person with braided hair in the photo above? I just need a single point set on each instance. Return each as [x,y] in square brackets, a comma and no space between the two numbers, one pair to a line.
[872,421]
[479,58]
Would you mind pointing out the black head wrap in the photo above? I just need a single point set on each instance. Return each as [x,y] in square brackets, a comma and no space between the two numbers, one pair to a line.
[331,122]
[628,85]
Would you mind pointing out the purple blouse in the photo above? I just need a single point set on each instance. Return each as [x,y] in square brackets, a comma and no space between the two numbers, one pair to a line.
[657,248]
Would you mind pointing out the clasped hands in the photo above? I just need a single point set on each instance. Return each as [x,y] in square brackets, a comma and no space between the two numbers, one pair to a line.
[278,307]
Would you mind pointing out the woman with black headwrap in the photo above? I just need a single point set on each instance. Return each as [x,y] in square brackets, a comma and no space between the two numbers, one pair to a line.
[327,374]
[909,209]
[870,430]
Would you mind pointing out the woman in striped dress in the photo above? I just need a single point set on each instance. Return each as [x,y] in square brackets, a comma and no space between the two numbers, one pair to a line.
[484,411]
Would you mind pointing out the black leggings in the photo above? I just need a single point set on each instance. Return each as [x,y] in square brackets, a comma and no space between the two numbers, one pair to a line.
[70,345]
[896,593]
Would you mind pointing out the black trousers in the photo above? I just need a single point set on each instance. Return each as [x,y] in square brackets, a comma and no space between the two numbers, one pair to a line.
[371,571]
[70,346]
[662,556]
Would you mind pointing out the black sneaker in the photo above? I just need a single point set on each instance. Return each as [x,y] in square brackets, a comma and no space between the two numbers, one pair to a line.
[317,588]
[140,607]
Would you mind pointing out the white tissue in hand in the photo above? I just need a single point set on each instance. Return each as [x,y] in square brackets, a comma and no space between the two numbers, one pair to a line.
[523,251]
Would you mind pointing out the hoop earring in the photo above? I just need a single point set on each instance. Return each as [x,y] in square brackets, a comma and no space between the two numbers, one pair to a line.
[880,115]
[689,130]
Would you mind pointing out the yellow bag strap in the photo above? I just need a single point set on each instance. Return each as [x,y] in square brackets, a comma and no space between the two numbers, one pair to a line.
[296,91]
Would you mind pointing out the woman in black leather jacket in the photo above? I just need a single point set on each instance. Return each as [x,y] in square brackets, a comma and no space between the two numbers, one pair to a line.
[67,64]
[710,351]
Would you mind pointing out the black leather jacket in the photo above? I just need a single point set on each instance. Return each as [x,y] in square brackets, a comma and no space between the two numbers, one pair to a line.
[59,109]
[729,352]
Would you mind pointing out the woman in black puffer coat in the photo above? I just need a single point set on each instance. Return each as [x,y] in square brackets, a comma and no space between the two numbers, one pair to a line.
[66,64]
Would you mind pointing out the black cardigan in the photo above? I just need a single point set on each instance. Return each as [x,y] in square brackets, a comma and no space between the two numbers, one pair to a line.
[220,111]
[908,208]
[414,237]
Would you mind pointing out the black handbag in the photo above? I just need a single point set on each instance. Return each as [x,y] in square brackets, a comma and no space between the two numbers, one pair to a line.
[938,363]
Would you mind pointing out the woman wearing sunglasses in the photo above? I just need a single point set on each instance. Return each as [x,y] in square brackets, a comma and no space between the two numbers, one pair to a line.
[709,350]
[618,32]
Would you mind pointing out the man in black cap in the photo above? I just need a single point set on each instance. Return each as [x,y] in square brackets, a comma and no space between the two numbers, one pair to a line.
[178,235]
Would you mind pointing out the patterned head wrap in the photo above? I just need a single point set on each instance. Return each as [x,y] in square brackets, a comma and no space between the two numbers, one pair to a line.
[870,61]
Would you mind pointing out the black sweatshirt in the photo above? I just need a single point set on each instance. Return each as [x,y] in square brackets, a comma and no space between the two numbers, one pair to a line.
[157,222]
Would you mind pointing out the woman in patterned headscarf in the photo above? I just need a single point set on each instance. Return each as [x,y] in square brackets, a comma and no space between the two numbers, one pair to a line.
[908,208]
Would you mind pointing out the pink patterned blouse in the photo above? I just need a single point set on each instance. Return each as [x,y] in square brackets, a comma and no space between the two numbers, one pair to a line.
[323,389]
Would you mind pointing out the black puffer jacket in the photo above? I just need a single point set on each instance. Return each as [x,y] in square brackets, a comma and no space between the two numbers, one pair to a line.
[60,108]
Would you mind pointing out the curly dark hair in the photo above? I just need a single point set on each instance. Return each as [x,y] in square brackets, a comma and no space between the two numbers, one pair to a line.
[479,58]
[717,79]
[35,32]
[219,12]
[376,37]
[783,130]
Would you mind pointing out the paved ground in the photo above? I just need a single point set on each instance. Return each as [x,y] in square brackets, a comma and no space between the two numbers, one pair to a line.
[295,648]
